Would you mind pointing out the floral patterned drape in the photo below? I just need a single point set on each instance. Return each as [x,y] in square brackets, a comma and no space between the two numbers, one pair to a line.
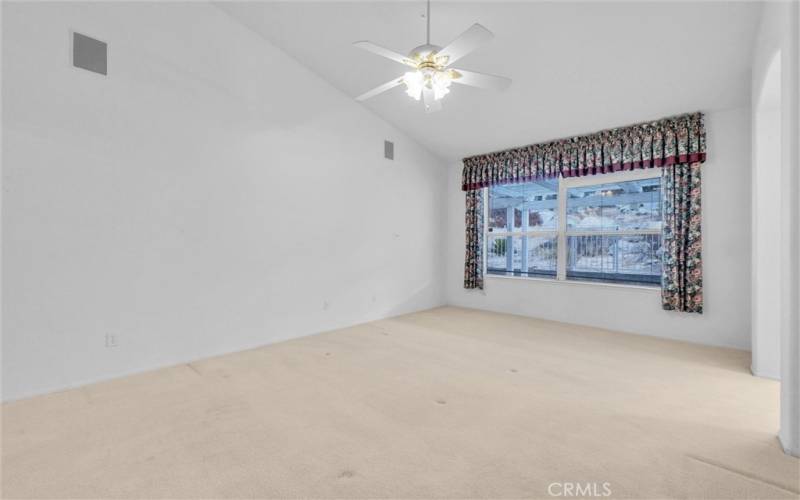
[473,264]
[676,144]
[682,268]
[669,141]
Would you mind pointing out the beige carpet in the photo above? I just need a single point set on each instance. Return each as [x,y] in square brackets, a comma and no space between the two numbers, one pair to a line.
[444,403]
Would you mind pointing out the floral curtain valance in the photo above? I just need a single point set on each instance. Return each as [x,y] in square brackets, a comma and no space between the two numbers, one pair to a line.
[669,141]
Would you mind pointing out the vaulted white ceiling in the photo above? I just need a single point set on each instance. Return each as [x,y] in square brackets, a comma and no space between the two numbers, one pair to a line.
[577,67]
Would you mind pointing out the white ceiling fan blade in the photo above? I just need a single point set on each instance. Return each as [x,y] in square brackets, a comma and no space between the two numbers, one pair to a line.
[383,51]
[481,80]
[380,88]
[475,36]
[432,104]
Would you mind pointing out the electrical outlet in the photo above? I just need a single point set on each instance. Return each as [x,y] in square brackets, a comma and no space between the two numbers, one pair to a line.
[111,340]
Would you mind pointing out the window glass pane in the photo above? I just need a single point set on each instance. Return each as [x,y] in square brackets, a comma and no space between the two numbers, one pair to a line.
[503,253]
[505,204]
[497,217]
[627,259]
[618,206]
[541,204]
[532,206]
[542,255]
[522,255]
[496,253]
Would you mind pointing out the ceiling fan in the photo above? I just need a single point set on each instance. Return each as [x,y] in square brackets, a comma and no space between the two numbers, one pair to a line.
[432,75]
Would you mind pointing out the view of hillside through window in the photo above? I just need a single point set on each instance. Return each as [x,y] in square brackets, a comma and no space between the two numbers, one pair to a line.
[611,231]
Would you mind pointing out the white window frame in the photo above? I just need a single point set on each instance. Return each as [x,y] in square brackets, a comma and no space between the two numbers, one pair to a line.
[509,232]
[561,232]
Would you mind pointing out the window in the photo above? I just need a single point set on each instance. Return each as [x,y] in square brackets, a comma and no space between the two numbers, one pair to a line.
[523,229]
[604,228]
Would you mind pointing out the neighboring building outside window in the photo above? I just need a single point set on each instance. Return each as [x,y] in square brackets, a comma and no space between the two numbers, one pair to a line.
[604,228]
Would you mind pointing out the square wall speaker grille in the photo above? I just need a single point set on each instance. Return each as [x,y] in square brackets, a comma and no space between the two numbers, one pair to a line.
[89,54]
[388,150]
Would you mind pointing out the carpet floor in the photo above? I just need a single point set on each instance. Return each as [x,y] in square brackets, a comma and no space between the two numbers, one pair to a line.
[446,403]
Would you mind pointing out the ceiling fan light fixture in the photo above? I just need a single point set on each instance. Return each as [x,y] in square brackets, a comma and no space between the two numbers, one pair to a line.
[437,81]
[414,81]
[440,83]
[431,73]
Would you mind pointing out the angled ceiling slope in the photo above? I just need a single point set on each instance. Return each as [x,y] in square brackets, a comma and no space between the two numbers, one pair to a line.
[577,67]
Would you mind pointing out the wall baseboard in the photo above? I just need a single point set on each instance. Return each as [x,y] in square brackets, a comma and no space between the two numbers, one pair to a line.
[765,373]
[69,386]
[788,449]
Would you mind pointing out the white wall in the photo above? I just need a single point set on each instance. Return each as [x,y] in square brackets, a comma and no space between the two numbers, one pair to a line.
[726,260]
[766,234]
[767,174]
[778,37]
[209,195]
[789,434]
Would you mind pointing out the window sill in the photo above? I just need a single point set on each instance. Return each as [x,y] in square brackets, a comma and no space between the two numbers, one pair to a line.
[575,282]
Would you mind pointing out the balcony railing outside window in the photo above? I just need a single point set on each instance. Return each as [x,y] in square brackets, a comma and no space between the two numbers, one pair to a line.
[611,231]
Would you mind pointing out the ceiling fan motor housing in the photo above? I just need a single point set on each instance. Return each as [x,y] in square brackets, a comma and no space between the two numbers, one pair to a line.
[424,53]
